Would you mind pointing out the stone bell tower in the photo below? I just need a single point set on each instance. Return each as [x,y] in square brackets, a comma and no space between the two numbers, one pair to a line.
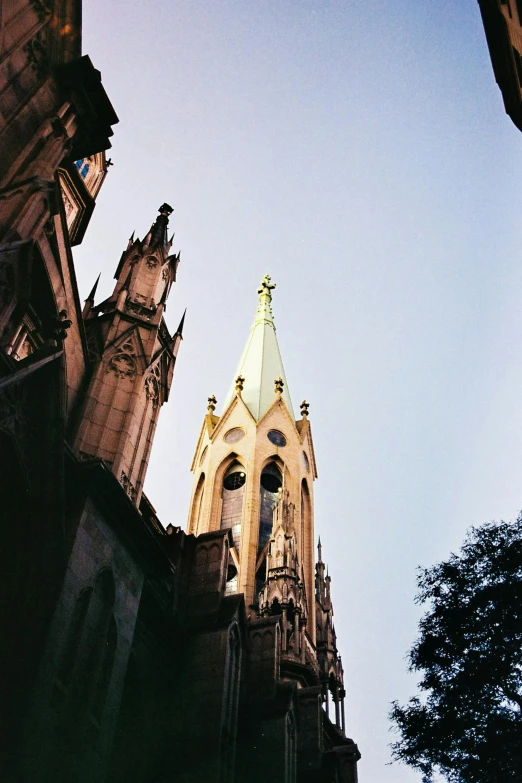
[254,468]
[132,357]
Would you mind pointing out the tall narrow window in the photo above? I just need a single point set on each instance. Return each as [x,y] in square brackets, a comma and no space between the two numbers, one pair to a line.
[271,484]
[270,492]
[306,518]
[197,506]
[232,496]
[88,657]
[230,706]
[74,637]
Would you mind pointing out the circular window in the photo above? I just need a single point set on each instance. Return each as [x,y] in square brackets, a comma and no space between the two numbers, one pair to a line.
[270,482]
[233,435]
[234,480]
[305,462]
[277,438]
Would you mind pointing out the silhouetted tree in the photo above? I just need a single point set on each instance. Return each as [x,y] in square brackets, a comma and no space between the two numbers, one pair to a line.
[467,722]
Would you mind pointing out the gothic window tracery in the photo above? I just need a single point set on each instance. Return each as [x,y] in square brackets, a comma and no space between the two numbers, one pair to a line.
[123,362]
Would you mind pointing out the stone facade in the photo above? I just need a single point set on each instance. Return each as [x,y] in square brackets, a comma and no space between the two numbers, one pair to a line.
[129,652]
[502,21]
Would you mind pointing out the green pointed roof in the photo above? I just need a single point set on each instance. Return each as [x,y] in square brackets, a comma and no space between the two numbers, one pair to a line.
[261,364]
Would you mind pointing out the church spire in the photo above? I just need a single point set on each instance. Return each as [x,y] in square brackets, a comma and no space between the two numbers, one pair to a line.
[157,236]
[261,365]
[133,358]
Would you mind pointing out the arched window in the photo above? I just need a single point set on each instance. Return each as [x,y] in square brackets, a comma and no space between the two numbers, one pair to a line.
[232,494]
[271,483]
[306,514]
[74,637]
[230,705]
[269,493]
[83,167]
[197,505]
[89,652]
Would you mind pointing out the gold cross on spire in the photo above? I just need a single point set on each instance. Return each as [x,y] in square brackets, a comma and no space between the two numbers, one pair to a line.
[266,286]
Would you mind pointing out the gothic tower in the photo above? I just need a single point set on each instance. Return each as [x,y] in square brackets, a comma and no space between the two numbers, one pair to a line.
[254,467]
[133,357]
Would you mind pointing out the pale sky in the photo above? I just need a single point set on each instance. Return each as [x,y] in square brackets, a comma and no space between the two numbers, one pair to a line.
[357,151]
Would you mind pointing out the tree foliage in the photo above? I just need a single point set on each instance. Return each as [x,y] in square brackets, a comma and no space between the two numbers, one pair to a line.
[467,722]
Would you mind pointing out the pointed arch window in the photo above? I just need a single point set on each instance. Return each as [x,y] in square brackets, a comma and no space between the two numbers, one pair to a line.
[82,166]
[306,511]
[197,505]
[290,749]
[230,705]
[232,494]
[88,657]
[271,484]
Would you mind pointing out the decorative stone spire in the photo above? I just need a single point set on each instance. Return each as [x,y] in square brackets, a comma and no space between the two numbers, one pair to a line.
[133,356]
[157,235]
[261,361]
[89,302]
[329,660]
[181,324]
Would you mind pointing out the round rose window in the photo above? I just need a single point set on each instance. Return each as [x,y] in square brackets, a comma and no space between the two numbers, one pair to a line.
[232,436]
[277,438]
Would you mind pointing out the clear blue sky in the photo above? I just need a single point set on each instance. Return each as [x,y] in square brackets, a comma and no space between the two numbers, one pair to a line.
[360,154]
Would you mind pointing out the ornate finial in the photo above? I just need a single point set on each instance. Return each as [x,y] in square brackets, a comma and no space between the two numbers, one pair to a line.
[211,407]
[240,382]
[304,409]
[264,310]
[279,384]
[166,209]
